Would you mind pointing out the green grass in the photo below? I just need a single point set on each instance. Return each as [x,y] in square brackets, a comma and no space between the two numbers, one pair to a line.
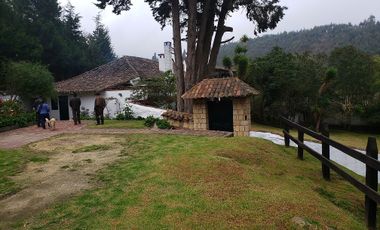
[12,162]
[119,124]
[351,139]
[183,182]
[92,148]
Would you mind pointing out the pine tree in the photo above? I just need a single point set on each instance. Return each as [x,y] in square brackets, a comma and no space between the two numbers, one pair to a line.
[100,48]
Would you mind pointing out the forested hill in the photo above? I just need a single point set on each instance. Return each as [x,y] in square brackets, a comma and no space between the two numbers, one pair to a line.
[320,39]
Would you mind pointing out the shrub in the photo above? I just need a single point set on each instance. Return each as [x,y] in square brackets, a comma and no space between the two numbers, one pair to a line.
[128,112]
[149,121]
[120,116]
[163,124]
[13,113]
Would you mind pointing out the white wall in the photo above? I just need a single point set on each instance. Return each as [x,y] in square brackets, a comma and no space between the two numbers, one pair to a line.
[53,113]
[115,101]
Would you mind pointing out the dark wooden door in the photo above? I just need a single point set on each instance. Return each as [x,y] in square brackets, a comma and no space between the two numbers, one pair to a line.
[63,107]
[220,115]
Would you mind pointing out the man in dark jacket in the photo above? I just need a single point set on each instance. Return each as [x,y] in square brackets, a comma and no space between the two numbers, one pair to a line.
[100,104]
[36,104]
[43,110]
[75,107]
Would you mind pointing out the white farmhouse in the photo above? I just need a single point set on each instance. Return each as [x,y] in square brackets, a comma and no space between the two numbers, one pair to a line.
[113,80]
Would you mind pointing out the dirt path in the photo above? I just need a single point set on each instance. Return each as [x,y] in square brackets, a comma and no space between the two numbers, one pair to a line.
[23,136]
[65,174]
[19,137]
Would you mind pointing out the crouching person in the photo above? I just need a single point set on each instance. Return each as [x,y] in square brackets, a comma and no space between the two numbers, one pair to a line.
[100,104]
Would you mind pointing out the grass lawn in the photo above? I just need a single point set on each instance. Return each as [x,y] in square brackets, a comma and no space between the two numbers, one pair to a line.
[117,124]
[12,162]
[184,182]
[352,139]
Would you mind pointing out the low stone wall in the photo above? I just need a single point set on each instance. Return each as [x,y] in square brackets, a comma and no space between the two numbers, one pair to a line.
[179,119]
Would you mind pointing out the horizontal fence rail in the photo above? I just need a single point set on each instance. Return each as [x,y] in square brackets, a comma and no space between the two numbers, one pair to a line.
[349,151]
[370,159]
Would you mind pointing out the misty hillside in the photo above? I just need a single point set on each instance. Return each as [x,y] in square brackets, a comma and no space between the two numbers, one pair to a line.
[320,39]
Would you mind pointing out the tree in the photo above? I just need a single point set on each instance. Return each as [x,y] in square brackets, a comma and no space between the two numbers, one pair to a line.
[100,48]
[323,100]
[354,80]
[204,21]
[158,91]
[28,80]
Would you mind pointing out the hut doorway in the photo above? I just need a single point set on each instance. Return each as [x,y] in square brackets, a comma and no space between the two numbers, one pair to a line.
[220,115]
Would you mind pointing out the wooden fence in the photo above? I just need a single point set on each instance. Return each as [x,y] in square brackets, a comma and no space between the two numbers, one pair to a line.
[370,159]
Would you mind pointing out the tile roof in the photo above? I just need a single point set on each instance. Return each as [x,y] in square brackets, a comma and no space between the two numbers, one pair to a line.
[119,71]
[220,87]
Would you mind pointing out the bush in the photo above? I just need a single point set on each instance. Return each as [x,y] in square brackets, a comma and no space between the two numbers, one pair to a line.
[128,112]
[85,114]
[161,123]
[149,121]
[120,116]
[13,113]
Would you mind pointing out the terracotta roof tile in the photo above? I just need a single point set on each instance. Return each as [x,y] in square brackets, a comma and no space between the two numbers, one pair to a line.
[119,71]
[220,87]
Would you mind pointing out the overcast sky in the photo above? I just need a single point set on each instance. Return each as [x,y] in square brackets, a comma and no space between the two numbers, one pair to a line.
[136,33]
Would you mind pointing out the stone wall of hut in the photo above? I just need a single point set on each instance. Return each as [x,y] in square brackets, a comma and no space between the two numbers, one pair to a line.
[241,116]
[200,115]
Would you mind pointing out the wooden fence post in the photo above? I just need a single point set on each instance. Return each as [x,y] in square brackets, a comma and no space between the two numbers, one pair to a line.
[286,138]
[371,180]
[300,149]
[325,152]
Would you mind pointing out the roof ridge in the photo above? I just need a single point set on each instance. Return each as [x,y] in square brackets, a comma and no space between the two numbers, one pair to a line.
[132,67]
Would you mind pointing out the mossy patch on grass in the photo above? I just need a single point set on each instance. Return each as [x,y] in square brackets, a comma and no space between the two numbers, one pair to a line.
[92,148]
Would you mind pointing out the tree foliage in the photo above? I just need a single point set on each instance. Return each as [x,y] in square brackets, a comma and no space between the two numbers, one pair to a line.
[204,23]
[28,80]
[43,32]
[320,39]
[159,91]
[313,88]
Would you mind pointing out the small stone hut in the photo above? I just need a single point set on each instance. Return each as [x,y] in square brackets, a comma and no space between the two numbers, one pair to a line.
[222,104]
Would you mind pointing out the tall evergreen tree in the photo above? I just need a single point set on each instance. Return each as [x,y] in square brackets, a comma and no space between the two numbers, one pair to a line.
[100,48]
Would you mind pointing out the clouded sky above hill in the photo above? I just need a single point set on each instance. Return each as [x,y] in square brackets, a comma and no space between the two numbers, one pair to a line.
[136,33]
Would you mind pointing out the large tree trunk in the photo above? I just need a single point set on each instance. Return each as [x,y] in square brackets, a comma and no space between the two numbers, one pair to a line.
[220,30]
[202,71]
[201,38]
[191,41]
[178,55]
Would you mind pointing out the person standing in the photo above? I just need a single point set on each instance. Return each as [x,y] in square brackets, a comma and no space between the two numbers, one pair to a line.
[43,111]
[36,104]
[100,104]
[75,103]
